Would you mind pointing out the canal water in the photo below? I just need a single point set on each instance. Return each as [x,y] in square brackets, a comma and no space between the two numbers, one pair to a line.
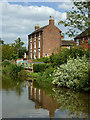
[27,100]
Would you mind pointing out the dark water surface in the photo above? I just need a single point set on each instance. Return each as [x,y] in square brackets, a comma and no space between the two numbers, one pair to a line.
[24,100]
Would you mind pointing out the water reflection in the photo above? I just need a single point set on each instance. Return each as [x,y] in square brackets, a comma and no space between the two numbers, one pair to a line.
[62,99]
[58,102]
[9,84]
[42,100]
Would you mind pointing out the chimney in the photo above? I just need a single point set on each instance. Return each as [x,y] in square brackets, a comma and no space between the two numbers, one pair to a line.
[51,20]
[37,27]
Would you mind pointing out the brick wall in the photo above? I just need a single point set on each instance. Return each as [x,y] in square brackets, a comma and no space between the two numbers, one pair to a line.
[85,45]
[51,39]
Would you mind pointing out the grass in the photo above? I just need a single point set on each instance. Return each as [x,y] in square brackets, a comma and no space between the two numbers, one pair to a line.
[32,74]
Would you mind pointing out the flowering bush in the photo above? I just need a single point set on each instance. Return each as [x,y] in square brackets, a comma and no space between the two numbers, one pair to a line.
[73,74]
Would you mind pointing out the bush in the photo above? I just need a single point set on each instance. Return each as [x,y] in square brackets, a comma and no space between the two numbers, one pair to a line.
[5,63]
[39,67]
[64,55]
[78,51]
[74,74]
[12,70]
[46,60]
[59,58]
[46,76]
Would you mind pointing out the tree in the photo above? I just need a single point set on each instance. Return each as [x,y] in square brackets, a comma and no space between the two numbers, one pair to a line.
[77,20]
[18,47]
[1,42]
[7,52]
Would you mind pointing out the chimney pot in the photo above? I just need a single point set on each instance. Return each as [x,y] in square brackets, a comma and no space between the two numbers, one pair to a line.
[51,21]
[37,27]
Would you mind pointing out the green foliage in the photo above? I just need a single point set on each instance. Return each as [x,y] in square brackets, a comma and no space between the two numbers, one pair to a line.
[75,102]
[46,60]
[5,63]
[13,51]
[12,70]
[73,74]
[32,74]
[39,67]
[18,47]
[46,76]
[67,99]
[7,52]
[39,59]
[77,18]
[63,55]
[1,42]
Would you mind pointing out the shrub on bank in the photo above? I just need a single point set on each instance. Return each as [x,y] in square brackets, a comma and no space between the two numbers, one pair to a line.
[73,74]
[46,75]
[63,56]
[39,67]
[5,63]
[12,70]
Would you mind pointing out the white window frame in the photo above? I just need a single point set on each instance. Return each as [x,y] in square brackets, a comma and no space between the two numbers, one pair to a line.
[30,45]
[39,43]
[34,44]
[77,42]
[31,55]
[39,34]
[83,40]
[34,54]
[38,53]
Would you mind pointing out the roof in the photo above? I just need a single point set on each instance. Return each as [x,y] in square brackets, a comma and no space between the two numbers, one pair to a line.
[67,42]
[39,30]
[84,33]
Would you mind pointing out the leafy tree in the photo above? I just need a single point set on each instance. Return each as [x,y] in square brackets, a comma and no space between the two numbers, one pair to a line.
[7,52]
[77,19]
[18,47]
[1,42]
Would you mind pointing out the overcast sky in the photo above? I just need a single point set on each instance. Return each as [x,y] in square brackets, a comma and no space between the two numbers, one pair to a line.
[19,18]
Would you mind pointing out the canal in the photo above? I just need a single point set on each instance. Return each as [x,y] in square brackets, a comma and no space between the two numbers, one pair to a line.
[27,100]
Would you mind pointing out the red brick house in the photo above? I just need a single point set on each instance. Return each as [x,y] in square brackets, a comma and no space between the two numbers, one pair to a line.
[44,40]
[83,39]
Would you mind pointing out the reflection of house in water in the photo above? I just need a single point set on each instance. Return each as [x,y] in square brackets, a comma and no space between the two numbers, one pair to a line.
[42,100]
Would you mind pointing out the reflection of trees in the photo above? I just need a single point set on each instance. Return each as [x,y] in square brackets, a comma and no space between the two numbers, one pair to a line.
[10,84]
[75,102]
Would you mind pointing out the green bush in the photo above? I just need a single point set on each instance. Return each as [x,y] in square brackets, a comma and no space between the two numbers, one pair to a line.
[78,51]
[63,55]
[73,74]
[39,67]
[39,59]
[46,76]
[12,70]
[59,58]
[46,60]
[5,63]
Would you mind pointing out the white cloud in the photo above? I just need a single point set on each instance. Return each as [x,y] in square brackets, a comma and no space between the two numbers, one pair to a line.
[18,20]
[65,6]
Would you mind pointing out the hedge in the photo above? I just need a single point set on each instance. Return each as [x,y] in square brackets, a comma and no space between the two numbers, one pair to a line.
[39,67]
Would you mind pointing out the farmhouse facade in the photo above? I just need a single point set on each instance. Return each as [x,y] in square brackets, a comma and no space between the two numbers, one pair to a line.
[83,39]
[43,41]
